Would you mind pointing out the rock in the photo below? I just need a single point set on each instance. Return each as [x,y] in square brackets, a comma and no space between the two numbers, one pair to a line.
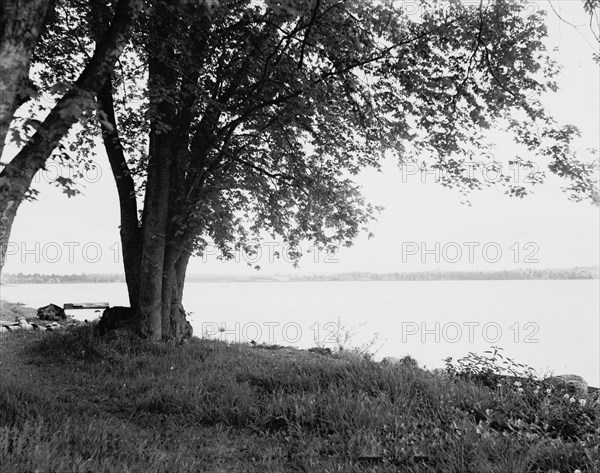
[3,328]
[571,383]
[391,360]
[53,326]
[24,324]
[439,371]
[405,361]
[350,355]
[114,318]
[320,350]
[51,312]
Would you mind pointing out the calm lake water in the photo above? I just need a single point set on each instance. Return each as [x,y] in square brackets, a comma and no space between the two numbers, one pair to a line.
[549,325]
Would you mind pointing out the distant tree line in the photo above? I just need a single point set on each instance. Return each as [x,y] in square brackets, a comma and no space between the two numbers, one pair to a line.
[517,274]
[36,278]
[437,275]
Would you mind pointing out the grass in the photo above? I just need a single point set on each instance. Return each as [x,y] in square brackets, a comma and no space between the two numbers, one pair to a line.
[9,311]
[73,402]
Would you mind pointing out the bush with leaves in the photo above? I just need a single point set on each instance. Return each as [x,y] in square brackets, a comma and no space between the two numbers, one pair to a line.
[525,405]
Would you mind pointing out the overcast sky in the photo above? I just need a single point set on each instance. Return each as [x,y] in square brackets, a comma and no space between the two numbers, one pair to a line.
[423,226]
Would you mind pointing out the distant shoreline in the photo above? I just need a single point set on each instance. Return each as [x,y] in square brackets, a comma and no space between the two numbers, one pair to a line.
[578,273]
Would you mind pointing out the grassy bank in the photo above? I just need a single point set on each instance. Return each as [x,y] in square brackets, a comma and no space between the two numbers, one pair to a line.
[70,402]
[10,311]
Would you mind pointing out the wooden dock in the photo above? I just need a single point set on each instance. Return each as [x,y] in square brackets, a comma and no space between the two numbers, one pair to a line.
[86,305]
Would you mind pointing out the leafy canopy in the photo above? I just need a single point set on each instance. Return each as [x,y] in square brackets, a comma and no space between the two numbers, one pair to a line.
[277,105]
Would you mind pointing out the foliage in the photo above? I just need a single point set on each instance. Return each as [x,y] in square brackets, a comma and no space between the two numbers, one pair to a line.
[64,49]
[343,338]
[592,8]
[488,365]
[281,104]
[524,404]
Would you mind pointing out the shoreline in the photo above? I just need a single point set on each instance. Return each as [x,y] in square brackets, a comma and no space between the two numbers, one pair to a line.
[515,274]
[18,310]
[212,406]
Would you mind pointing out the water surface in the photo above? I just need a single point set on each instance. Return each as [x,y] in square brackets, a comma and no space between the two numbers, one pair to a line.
[549,325]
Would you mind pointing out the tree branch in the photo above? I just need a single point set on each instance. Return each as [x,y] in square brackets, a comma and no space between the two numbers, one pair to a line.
[131,235]
[308,30]
[478,42]
[273,175]
[67,111]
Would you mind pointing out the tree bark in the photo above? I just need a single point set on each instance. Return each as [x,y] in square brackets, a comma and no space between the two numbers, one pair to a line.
[16,177]
[175,327]
[131,235]
[156,208]
[165,252]
[156,201]
[21,23]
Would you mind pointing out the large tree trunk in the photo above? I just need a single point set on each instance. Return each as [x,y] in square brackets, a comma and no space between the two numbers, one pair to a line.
[161,315]
[164,254]
[156,201]
[156,211]
[21,23]
[16,177]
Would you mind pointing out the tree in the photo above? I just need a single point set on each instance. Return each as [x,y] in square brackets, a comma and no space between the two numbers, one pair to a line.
[252,117]
[234,119]
[592,9]
[21,25]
